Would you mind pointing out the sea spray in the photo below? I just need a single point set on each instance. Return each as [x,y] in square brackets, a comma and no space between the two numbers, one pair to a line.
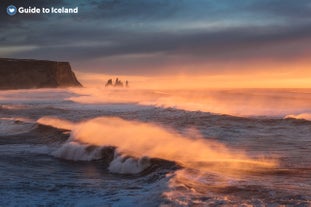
[236,102]
[56,122]
[305,116]
[140,140]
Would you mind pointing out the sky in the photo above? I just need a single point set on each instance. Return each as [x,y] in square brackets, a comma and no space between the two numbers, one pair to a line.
[253,43]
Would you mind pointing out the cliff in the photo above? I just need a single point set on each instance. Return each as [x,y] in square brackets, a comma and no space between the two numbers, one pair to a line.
[25,74]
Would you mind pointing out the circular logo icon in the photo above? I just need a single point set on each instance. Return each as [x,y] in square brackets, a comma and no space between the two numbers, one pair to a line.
[11,10]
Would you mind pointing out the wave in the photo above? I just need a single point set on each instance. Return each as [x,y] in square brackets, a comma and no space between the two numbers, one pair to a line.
[123,164]
[242,103]
[76,151]
[245,103]
[115,162]
[12,107]
[56,122]
[16,125]
[136,142]
[304,116]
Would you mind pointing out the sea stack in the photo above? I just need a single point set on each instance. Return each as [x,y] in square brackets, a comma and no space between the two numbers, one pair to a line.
[27,74]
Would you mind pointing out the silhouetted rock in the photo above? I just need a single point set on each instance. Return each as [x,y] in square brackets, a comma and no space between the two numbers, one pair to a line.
[25,74]
[118,83]
[109,83]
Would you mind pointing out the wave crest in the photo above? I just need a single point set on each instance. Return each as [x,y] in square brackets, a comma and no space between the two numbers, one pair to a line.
[56,122]
[305,116]
[128,165]
[138,140]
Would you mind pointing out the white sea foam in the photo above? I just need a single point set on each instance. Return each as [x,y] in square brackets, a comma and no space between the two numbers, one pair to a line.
[120,164]
[75,151]
[128,165]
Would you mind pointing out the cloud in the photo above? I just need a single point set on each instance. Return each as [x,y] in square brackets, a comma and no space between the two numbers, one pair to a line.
[290,10]
[8,22]
[130,35]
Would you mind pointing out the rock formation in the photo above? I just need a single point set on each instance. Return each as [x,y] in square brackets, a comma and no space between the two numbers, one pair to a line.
[118,83]
[26,74]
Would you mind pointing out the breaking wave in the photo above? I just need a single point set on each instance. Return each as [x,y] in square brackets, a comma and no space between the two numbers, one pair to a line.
[135,143]
[305,116]
[238,102]
[56,122]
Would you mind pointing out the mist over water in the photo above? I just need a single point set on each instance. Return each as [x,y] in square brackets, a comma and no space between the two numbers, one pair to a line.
[133,147]
[236,102]
[293,103]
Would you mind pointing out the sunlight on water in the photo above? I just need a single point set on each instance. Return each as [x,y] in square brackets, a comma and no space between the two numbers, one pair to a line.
[141,139]
[243,102]
[156,145]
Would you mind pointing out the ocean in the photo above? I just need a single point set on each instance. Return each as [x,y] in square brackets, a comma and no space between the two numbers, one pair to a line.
[128,147]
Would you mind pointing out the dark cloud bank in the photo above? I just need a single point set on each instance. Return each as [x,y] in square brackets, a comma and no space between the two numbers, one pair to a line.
[136,34]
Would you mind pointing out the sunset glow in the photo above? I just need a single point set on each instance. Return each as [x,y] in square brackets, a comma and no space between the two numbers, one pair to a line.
[175,44]
[155,103]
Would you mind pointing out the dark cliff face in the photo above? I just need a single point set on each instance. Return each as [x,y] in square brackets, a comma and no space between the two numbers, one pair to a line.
[24,74]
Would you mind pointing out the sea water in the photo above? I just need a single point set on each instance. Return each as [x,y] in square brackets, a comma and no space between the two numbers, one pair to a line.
[114,147]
